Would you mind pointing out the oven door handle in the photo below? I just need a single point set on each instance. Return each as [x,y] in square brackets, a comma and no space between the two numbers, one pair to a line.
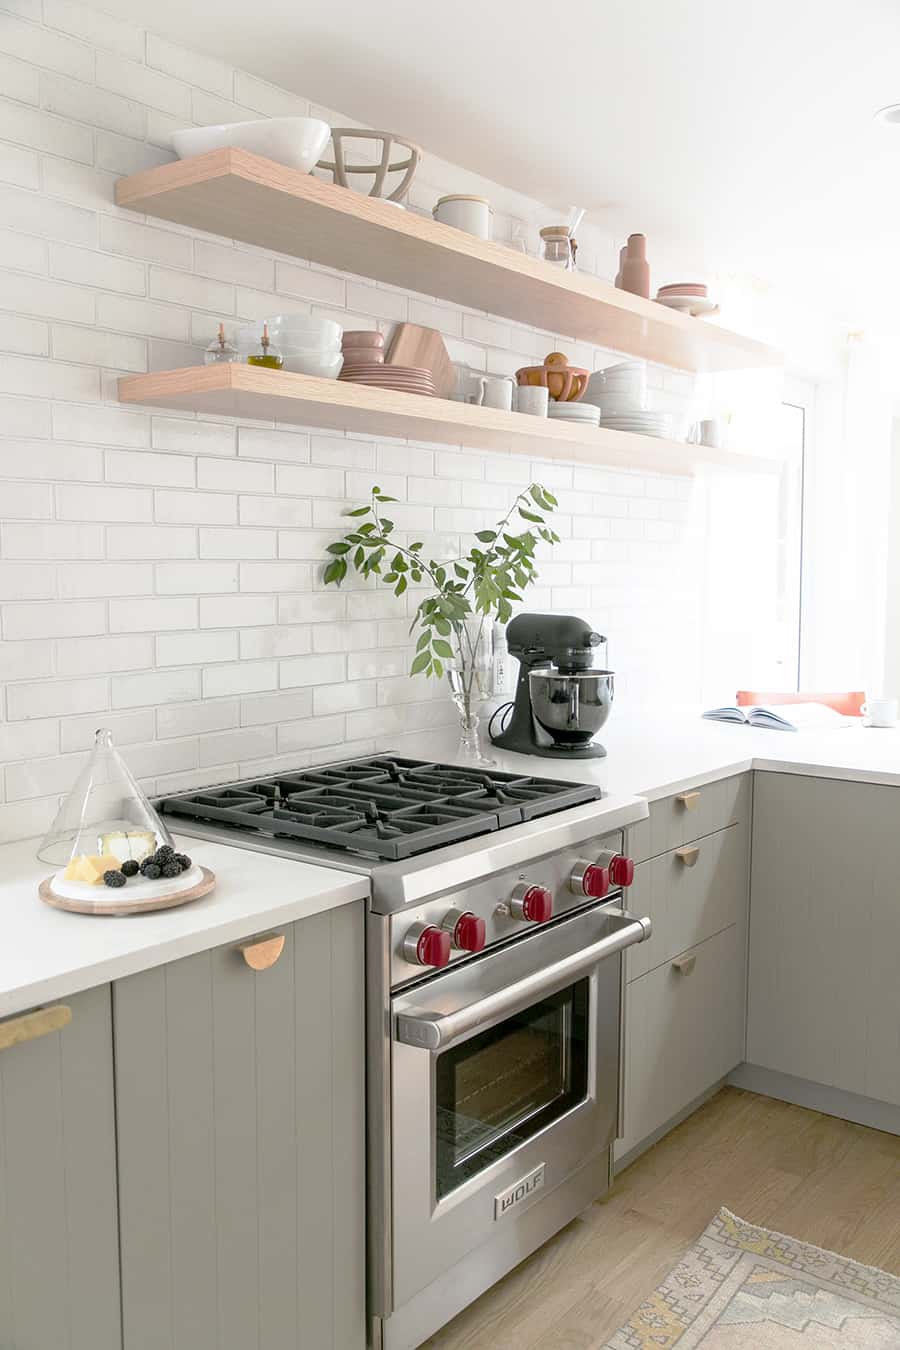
[437,1031]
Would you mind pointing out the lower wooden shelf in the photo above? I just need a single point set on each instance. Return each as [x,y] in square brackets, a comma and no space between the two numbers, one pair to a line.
[282,396]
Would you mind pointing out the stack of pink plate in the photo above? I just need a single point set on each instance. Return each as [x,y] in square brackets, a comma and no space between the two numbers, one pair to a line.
[407,379]
[688,296]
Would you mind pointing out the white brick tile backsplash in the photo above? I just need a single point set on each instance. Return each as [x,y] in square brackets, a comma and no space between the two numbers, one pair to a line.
[19,81]
[101,30]
[74,502]
[24,661]
[196,578]
[152,614]
[56,698]
[247,678]
[199,508]
[105,579]
[185,289]
[149,541]
[19,167]
[100,426]
[39,131]
[150,88]
[154,687]
[189,66]
[163,571]
[51,539]
[53,620]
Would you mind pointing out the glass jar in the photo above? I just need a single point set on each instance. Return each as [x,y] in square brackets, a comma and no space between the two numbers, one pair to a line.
[556,247]
[220,350]
[268,354]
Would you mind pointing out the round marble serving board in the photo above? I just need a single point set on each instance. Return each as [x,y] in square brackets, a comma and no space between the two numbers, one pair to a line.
[120,904]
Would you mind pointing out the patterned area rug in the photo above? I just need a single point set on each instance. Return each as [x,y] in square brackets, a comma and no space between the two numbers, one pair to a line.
[744,1288]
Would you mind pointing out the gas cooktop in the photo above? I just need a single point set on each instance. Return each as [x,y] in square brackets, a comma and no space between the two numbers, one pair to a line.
[383,807]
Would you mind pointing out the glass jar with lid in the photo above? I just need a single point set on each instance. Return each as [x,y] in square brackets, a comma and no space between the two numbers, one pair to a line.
[556,247]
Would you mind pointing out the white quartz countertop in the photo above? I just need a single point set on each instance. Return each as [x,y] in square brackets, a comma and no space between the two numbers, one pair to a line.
[654,757]
[46,954]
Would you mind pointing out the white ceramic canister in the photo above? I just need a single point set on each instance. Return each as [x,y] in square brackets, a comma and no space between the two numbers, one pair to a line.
[472,214]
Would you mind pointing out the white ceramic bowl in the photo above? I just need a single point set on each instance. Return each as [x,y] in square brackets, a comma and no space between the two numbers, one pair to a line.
[295,141]
[299,328]
[314,363]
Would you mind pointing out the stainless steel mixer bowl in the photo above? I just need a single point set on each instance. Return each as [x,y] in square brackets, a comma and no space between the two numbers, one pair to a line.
[572,708]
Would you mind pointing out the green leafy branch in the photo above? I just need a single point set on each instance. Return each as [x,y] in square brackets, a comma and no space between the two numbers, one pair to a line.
[482,584]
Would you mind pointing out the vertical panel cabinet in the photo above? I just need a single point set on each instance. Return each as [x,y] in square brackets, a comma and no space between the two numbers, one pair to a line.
[686,996]
[59,1260]
[824,999]
[240,1103]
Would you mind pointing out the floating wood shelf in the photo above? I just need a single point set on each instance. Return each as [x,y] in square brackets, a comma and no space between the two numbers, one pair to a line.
[281,396]
[243,196]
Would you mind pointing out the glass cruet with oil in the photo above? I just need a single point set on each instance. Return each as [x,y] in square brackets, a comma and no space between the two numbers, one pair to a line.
[268,354]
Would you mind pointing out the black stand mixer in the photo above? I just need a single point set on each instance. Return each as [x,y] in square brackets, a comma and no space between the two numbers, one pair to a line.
[561,701]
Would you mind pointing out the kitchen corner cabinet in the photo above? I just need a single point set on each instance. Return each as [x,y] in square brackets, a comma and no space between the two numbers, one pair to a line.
[686,994]
[59,1260]
[824,1001]
[241,1131]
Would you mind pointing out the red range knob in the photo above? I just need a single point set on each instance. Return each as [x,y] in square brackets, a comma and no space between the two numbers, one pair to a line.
[469,932]
[621,870]
[590,879]
[426,945]
[533,903]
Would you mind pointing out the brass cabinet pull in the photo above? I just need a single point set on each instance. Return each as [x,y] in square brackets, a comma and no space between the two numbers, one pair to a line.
[689,800]
[684,965]
[688,855]
[262,953]
[31,1025]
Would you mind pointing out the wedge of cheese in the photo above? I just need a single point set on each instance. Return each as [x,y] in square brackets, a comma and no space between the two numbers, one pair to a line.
[125,844]
[89,868]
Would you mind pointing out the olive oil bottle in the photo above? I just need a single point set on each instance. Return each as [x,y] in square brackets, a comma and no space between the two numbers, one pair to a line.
[268,355]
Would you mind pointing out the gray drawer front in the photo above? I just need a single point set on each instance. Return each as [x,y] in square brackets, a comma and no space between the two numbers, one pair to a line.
[59,1261]
[689,815]
[240,1102]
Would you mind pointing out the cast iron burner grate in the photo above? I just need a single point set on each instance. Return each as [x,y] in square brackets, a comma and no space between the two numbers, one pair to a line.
[384,807]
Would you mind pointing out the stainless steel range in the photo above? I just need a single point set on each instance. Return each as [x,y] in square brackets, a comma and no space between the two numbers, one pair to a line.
[495,998]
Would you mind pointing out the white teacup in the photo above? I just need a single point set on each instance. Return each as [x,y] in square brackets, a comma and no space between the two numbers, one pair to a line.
[533,399]
[880,712]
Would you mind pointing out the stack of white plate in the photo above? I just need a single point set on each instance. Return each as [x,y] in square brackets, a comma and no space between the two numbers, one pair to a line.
[585,414]
[643,423]
[310,346]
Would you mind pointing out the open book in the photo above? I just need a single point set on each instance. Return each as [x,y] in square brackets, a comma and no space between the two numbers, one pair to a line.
[784,717]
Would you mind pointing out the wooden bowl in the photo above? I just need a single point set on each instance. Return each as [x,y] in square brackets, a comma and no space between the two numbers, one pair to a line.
[563,382]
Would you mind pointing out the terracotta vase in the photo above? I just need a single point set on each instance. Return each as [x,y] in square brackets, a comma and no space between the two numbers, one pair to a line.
[634,273]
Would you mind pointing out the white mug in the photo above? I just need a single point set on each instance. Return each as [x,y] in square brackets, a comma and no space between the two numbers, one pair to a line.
[533,399]
[880,712]
[711,432]
[494,392]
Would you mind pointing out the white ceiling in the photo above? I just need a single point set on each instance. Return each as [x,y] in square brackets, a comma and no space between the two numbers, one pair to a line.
[743,129]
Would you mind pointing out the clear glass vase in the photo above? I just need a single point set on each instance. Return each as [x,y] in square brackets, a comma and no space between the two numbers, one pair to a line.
[471,683]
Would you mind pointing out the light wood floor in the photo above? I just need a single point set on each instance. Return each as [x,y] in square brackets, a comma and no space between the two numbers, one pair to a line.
[811,1176]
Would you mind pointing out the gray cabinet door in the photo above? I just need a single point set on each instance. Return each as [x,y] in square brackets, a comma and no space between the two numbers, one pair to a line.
[241,1129]
[59,1261]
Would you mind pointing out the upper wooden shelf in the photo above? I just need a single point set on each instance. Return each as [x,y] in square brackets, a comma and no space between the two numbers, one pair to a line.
[243,196]
[282,396]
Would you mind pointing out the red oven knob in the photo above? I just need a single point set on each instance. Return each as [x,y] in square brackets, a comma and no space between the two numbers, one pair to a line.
[621,869]
[591,879]
[534,903]
[468,932]
[426,945]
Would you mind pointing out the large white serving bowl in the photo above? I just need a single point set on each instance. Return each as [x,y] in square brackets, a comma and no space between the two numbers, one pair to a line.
[314,363]
[306,330]
[295,141]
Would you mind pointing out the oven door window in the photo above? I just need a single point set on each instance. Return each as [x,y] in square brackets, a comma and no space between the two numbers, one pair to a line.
[502,1086]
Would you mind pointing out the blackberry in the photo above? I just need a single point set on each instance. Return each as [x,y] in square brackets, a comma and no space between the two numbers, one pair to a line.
[130,868]
[113,878]
[183,861]
[149,861]
[164,853]
[171,868]
[151,870]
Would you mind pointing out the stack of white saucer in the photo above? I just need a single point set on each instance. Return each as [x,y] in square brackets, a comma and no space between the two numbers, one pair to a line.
[585,414]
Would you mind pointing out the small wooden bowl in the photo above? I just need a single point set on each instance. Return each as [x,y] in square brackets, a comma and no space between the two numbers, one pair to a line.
[563,382]
[362,337]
